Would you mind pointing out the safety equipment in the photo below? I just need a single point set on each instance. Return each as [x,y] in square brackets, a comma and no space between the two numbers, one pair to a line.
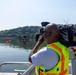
[61,68]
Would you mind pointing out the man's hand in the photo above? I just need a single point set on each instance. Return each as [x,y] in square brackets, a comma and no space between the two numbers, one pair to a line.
[35,49]
[40,40]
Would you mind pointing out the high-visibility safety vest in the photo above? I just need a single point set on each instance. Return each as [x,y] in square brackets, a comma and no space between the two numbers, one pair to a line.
[61,68]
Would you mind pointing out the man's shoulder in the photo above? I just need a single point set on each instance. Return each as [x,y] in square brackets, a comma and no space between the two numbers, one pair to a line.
[46,50]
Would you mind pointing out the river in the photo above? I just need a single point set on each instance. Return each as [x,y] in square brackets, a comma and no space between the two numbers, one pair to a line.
[16,51]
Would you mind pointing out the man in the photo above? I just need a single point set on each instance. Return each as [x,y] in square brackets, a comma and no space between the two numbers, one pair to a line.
[52,59]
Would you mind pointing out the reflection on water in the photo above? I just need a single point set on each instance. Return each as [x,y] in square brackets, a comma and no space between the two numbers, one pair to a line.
[18,43]
[13,53]
[15,50]
[28,44]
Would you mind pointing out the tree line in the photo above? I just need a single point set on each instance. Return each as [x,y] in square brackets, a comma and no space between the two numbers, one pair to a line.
[27,31]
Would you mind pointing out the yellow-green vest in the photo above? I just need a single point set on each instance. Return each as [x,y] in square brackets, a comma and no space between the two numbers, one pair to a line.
[61,68]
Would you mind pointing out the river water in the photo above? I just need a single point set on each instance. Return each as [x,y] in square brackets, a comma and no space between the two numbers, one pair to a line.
[15,51]
[9,53]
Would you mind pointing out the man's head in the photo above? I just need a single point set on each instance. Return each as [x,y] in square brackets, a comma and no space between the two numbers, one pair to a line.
[51,33]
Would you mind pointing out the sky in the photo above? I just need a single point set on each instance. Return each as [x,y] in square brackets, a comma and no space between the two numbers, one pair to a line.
[19,13]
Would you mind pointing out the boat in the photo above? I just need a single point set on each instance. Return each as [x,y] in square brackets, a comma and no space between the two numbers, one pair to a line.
[29,71]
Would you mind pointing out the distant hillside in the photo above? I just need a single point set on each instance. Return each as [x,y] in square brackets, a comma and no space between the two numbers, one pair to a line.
[28,31]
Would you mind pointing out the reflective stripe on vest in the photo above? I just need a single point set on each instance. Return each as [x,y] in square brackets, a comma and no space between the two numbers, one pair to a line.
[63,71]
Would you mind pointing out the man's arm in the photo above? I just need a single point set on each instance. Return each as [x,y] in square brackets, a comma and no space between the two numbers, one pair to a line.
[36,47]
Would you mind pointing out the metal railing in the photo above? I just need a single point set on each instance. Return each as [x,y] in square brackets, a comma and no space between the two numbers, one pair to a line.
[29,71]
[16,63]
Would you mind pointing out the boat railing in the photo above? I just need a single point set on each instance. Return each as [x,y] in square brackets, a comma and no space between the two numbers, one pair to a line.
[18,63]
[29,71]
